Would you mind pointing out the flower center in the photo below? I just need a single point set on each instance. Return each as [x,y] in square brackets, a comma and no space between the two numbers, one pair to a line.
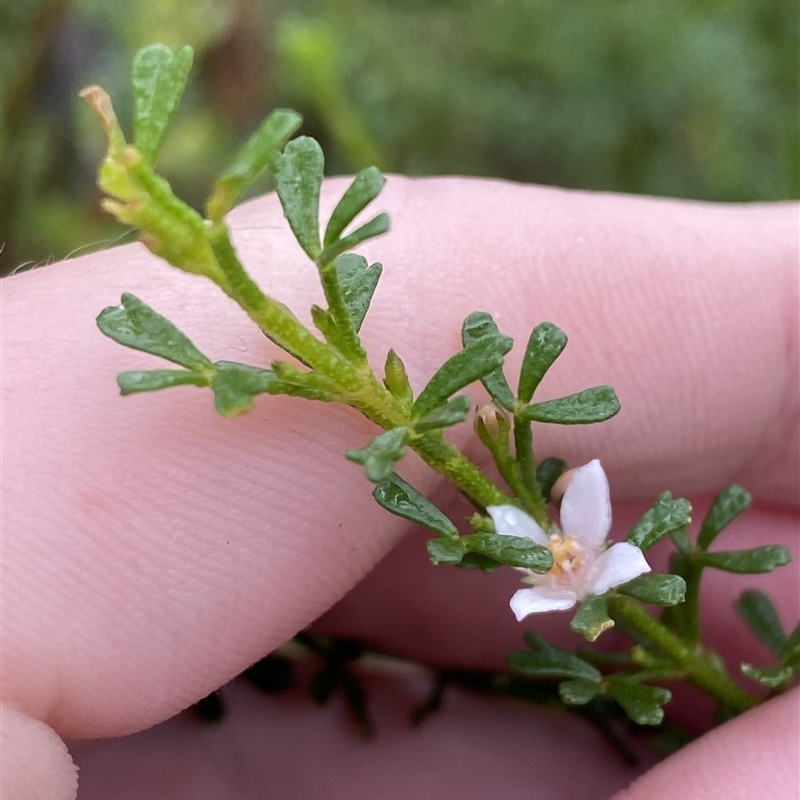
[568,555]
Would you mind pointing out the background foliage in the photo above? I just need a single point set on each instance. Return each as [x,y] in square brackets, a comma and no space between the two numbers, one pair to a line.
[691,98]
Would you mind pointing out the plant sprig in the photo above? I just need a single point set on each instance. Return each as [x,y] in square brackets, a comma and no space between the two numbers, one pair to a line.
[332,365]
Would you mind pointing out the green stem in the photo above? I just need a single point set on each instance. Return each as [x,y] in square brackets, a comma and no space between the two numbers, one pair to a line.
[277,321]
[453,464]
[496,442]
[691,603]
[363,391]
[523,446]
[702,668]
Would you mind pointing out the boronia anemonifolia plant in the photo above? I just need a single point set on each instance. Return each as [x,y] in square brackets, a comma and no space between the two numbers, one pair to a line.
[565,564]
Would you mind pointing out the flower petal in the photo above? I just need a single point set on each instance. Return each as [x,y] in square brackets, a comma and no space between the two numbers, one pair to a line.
[511,521]
[541,598]
[586,508]
[619,564]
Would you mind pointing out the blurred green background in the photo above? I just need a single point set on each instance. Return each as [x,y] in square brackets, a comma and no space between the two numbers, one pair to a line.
[683,98]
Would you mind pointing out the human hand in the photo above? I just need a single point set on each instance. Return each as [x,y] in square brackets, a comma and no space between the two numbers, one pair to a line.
[152,550]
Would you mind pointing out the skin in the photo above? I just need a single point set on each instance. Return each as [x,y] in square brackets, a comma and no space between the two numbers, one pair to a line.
[152,550]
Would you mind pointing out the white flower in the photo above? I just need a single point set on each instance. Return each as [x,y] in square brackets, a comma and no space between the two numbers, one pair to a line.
[582,564]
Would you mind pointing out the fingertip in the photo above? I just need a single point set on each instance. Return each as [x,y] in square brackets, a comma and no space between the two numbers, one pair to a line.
[36,764]
[754,755]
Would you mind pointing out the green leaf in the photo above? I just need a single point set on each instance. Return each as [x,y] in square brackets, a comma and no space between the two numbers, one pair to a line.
[479,326]
[748,562]
[592,617]
[380,455]
[358,282]
[667,514]
[514,551]
[547,473]
[471,364]
[591,405]
[578,691]
[257,154]
[298,177]
[396,380]
[403,500]
[768,676]
[641,703]
[655,588]
[153,380]
[682,541]
[159,79]
[478,561]
[369,230]
[790,655]
[236,385]
[298,382]
[727,505]
[756,609]
[366,186]
[451,413]
[136,325]
[326,325]
[445,551]
[545,345]
[548,661]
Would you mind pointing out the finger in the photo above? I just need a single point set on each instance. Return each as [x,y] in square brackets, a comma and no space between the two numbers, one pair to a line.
[35,761]
[473,748]
[754,755]
[152,550]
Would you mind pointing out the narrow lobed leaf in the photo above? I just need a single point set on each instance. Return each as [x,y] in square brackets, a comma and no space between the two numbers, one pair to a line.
[666,515]
[236,385]
[137,326]
[748,562]
[592,617]
[544,660]
[358,282]
[727,505]
[153,380]
[479,561]
[756,609]
[451,413]
[381,454]
[514,551]
[773,677]
[547,473]
[159,79]
[299,382]
[462,369]
[546,343]
[478,326]
[591,405]
[366,186]
[790,655]
[403,500]
[656,588]
[445,551]
[396,380]
[298,172]
[578,691]
[369,230]
[258,154]
[640,702]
